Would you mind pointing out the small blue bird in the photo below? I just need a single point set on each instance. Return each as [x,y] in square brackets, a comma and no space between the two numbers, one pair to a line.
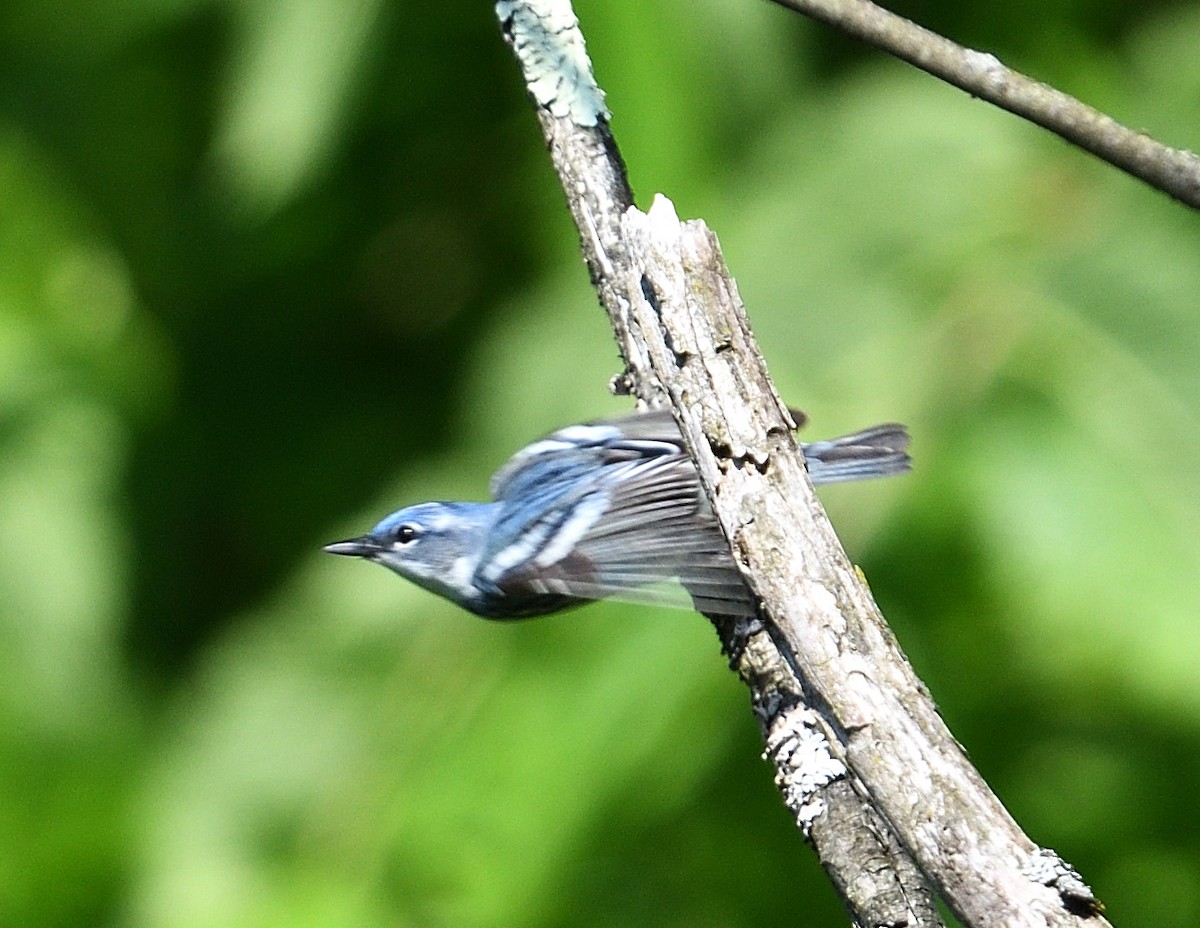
[610,509]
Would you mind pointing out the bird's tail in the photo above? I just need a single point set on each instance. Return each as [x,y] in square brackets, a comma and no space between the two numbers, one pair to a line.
[875,452]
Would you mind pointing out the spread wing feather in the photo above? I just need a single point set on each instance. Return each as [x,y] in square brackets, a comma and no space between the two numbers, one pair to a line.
[614,509]
[654,527]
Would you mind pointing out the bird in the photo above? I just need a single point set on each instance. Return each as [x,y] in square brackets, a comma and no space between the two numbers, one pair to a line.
[607,509]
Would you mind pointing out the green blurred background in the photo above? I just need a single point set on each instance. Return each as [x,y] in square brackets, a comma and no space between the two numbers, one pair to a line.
[269,270]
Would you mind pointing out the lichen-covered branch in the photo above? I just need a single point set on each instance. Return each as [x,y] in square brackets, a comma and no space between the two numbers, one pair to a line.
[869,866]
[881,720]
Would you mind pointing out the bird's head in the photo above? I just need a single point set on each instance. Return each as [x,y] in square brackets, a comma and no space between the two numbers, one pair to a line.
[435,545]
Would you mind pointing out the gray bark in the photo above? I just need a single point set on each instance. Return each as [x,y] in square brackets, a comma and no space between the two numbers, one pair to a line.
[862,757]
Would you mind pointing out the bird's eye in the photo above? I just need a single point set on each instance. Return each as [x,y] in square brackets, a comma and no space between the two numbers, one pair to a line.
[404,534]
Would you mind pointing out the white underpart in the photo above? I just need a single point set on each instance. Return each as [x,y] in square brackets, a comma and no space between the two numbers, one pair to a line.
[462,573]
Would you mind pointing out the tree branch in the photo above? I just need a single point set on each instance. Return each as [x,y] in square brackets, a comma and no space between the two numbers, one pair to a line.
[1174,171]
[682,329]
[870,869]
[873,872]
[882,722]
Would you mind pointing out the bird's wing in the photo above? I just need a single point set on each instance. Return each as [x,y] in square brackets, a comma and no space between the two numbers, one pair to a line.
[618,438]
[658,527]
[594,512]
[614,509]
[595,444]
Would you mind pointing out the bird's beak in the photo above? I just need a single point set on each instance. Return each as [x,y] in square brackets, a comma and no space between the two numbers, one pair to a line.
[362,546]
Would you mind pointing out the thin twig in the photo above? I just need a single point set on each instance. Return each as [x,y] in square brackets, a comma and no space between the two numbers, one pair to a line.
[1174,171]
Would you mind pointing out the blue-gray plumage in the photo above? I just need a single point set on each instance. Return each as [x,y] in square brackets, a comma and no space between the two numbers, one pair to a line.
[612,509]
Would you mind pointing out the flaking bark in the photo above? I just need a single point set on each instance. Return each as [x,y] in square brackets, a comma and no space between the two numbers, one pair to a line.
[827,678]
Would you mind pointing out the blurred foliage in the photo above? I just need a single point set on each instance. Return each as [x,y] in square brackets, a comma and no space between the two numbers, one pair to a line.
[269,270]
